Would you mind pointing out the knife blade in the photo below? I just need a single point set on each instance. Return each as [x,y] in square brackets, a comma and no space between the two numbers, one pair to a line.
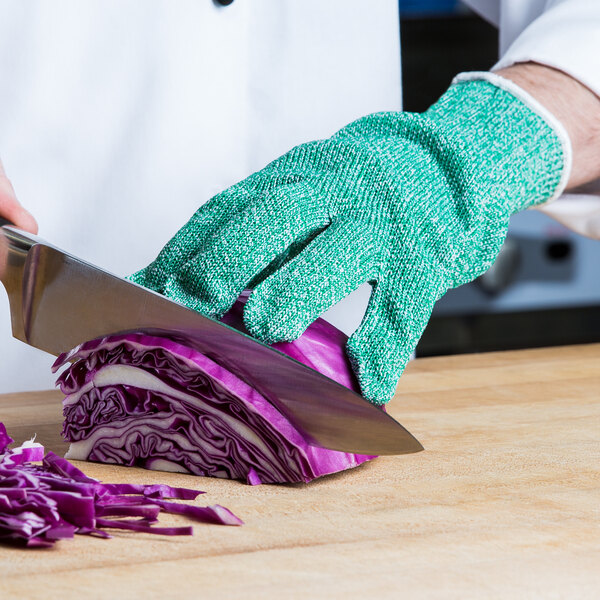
[58,301]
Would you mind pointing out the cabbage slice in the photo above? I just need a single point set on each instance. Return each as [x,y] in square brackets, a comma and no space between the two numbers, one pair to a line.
[5,439]
[149,401]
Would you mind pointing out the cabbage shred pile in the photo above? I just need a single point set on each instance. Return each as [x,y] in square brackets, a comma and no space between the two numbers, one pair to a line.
[43,503]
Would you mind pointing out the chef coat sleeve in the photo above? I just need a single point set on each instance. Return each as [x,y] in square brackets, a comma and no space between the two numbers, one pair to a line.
[564,35]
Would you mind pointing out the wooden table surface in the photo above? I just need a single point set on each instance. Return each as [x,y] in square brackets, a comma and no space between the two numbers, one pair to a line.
[504,502]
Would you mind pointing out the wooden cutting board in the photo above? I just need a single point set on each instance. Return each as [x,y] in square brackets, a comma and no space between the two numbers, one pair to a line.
[504,502]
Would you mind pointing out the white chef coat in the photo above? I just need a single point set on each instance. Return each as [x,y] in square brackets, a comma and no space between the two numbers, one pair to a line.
[118,118]
[564,34]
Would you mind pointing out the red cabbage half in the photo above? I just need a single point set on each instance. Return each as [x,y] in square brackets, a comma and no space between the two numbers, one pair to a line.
[149,401]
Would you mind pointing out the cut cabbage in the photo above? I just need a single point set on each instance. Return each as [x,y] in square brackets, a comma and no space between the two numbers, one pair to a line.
[150,401]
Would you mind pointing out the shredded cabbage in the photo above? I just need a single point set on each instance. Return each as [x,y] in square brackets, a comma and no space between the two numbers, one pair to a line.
[41,504]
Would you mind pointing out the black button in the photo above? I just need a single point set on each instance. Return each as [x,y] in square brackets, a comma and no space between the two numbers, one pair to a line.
[559,250]
[223,2]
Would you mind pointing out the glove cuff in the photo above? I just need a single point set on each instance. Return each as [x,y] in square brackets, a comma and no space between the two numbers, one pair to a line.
[520,146]
[530,102]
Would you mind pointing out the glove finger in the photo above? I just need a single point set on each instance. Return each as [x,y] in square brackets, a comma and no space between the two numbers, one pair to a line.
[393,323]
[330,267]
[245,247]
[207,220]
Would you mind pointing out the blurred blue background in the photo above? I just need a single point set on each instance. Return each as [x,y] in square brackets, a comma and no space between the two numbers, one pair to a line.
[417,8]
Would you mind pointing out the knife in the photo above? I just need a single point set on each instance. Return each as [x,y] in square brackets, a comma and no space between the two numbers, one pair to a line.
[58,301]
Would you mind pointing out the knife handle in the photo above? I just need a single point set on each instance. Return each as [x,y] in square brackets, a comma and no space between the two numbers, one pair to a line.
[4,221]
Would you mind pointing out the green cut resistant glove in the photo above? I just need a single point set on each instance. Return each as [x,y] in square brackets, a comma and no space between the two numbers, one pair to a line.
[415,204]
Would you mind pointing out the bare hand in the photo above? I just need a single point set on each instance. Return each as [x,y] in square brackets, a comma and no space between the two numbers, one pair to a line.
[10,208]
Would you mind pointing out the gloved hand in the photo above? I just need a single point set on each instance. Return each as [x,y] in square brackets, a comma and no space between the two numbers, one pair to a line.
[414,204]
